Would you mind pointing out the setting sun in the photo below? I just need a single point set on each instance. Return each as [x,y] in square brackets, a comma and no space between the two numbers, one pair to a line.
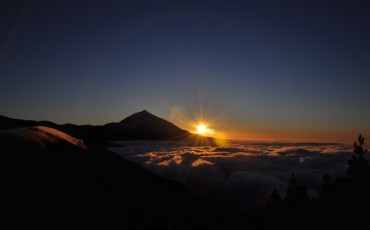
[201,129]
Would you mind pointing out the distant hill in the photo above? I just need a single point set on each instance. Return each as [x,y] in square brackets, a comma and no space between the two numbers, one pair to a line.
[11,123]
[40,136]
[92,135]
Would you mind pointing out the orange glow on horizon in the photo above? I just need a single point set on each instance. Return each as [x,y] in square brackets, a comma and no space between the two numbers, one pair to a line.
[293,137]
[218,127]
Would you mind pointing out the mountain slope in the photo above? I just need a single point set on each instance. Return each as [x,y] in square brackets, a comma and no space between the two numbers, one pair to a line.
[59,182]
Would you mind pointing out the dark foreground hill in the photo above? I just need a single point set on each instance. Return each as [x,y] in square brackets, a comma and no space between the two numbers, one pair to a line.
[58,183]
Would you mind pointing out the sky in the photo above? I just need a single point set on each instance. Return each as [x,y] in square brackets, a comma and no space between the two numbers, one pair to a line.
[267,70]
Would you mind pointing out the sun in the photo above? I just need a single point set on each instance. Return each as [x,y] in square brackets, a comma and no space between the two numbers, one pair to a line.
[201,129]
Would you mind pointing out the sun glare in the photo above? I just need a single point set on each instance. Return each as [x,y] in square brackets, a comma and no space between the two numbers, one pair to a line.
[201,129]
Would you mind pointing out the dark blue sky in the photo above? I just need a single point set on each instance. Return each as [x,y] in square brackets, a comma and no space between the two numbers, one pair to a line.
[274,69]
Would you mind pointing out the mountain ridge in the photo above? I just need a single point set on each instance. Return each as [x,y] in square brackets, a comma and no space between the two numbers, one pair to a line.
[138,126]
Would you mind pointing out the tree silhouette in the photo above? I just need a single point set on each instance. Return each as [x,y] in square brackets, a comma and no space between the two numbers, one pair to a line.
[297,195]
[326,188]
[358,166]
[275,200]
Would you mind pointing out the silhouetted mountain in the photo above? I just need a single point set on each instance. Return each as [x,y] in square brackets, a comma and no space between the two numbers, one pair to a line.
[144,126]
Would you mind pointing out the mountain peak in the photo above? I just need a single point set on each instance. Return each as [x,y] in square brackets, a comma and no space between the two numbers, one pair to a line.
[144,111]
[143,115]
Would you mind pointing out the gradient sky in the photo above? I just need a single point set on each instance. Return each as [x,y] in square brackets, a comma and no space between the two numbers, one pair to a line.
[284,70]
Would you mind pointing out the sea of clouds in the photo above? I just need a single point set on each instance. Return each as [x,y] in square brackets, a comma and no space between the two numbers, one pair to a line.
[241,172]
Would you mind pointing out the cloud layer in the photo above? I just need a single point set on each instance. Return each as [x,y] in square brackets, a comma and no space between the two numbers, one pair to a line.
[241,172]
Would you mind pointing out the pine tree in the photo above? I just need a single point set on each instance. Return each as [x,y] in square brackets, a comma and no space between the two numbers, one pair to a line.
[275,200]
[358,166]
[297,195]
